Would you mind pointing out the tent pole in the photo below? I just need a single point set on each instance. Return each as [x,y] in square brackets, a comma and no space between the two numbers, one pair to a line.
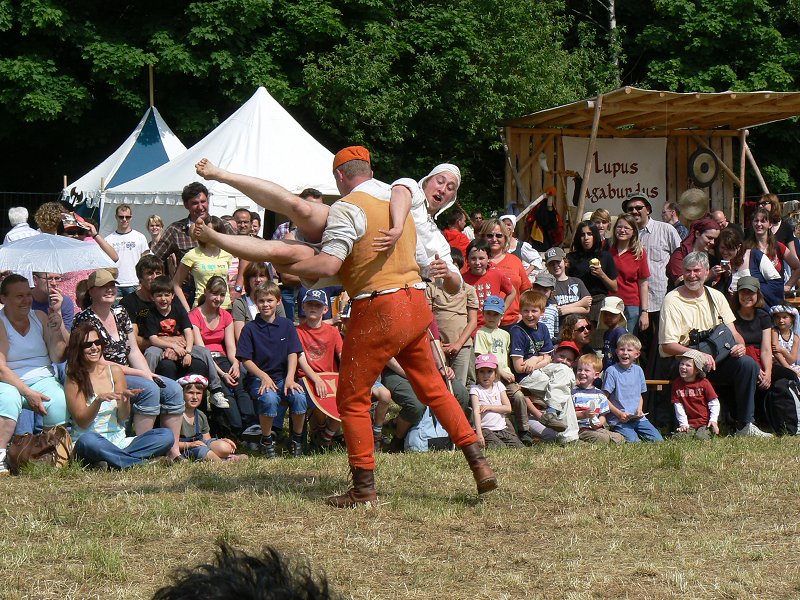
[742,158]
[753,164]
[587,167]
[150,79]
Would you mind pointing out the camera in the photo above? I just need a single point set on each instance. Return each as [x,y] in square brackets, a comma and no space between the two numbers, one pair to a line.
[696,336]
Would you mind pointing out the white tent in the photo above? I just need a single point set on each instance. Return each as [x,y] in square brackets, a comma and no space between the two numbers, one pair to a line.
[259,139]
[151,145]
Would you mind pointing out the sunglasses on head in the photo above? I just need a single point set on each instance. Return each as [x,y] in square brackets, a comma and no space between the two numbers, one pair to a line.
[87,345]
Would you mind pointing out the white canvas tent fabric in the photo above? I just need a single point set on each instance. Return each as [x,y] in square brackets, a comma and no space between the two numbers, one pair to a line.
[259,139]
[151,145]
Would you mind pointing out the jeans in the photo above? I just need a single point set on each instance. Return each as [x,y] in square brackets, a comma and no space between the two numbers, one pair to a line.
[241,413]
[638,430]
[742,372]
[632,316]
[93,447]
[287,297]
[202,364]
[267,403]
[154,401]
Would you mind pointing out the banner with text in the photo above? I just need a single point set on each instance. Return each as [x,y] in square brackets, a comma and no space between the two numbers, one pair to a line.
[619,166]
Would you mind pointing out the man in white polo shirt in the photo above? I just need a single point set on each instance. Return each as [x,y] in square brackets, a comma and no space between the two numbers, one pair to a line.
[130,246]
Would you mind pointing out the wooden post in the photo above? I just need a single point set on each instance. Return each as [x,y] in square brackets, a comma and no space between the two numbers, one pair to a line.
[520,191]
[587,167]
[742,158]
[65,182]
[753,164]
[150,80]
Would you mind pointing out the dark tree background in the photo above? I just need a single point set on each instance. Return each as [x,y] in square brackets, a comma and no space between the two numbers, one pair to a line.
[417,82]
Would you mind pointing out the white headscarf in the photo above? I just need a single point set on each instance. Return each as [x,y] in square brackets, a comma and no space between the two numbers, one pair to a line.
[444,168]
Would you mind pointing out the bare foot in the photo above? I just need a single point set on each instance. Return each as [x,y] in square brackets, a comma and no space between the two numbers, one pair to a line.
[202,232]
[207,170]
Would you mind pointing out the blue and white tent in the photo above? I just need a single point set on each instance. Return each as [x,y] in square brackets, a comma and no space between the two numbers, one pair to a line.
[151,145]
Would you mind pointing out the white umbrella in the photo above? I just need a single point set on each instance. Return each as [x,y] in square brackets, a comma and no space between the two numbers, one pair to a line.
[47,253]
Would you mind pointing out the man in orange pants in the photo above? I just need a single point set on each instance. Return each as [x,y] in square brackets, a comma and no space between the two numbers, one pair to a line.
[389,318]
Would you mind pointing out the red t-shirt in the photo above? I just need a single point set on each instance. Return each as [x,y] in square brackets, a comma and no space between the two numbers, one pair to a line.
[492,283]
[322,347]
[629,272]
[456,239]
[695,397]
[213,339]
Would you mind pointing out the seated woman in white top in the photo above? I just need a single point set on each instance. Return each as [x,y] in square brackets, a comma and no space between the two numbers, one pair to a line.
[30,342]
[100,404]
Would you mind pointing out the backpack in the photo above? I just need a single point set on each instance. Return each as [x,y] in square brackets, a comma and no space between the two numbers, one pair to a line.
[426,435]
[782,407]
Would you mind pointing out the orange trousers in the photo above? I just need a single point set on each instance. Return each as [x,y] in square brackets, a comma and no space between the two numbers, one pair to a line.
[386,326]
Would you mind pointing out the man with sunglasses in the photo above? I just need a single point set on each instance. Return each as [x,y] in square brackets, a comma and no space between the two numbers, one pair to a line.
[130,246]
[659,240]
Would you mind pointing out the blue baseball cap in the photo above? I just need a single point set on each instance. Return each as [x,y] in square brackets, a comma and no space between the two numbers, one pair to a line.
[316,296]
[495,304]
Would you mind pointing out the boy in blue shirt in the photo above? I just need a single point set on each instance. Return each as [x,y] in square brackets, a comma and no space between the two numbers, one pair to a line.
[269,348]
[624,384]
[532,347]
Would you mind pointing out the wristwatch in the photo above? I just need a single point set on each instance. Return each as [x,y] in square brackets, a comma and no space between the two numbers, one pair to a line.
[238,289]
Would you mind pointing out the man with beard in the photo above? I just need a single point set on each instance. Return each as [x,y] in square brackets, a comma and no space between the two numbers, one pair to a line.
[694,306]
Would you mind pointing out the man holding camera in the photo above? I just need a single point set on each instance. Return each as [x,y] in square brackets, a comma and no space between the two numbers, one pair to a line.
[693,306]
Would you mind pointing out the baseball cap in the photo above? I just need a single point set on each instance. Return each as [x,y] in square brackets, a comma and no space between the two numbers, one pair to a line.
[486,361]
[316,296]
[101,277]
[495,304]
[545,279]
[569,344]
[748,282]
[188,379]
[554,254]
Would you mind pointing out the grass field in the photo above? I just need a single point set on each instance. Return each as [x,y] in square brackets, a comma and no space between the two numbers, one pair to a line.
[714,520]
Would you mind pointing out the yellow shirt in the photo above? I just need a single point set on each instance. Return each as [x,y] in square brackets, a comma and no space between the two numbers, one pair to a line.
[203,267]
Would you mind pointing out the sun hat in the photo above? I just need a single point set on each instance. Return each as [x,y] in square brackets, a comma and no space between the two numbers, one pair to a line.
[494,304]
[544,279]
[636,196]
[613,305]
[488,361]
[698,358]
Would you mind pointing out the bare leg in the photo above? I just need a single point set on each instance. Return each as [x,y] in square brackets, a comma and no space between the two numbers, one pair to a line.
[7,427]
[282,254]
[173,423]
[309,217]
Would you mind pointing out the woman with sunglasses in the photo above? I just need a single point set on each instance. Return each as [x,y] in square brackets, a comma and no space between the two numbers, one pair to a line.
[496,234]
[631,260]
[577,329]
[591,264]
[99,401]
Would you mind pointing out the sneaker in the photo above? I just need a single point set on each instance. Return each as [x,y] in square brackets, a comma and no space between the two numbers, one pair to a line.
[4,470]
[252,430]
[750,430]
[296,449]
[219,400]
[268,449]
[551,421]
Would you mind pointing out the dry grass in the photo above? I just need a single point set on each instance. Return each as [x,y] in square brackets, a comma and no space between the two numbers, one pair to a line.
[719,520]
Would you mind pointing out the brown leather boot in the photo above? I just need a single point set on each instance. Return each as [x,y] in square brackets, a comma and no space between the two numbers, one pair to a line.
[362,492]
[484,476]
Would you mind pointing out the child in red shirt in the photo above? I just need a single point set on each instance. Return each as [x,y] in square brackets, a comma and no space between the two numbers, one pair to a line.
[696,403]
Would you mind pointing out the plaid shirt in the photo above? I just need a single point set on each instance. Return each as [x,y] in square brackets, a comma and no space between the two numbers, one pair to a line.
[281,230]
[176,240]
